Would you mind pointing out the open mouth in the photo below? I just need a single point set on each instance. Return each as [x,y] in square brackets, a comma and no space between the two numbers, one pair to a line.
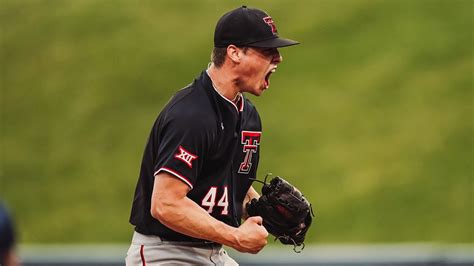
[267,78]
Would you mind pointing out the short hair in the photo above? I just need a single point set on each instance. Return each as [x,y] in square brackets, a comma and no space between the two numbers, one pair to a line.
[219,54]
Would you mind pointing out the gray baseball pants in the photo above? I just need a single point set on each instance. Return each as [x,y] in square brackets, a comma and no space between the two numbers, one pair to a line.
[152,250]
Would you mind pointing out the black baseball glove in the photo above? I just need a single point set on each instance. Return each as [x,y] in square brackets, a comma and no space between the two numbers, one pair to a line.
[285,211]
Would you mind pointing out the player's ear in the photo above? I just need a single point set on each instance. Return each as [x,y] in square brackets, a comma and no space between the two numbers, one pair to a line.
[234,53]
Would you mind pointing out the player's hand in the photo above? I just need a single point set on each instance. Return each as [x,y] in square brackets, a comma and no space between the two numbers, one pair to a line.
[251,235]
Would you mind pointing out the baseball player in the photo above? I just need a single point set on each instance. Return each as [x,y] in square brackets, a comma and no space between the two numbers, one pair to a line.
[202,150]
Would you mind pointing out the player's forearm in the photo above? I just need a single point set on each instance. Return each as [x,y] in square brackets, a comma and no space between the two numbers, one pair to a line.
[186,217]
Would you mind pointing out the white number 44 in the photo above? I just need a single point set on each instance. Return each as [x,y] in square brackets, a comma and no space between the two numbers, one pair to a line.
[209,200]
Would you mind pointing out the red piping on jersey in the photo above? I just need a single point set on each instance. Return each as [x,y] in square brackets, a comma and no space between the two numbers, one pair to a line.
[142,256]
[184,179]
[241,102]
[231,102]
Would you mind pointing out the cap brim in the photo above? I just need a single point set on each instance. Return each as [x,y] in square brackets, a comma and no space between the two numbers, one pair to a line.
[274,43]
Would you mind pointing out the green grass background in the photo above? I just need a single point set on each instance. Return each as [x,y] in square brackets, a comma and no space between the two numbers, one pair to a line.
[371,116]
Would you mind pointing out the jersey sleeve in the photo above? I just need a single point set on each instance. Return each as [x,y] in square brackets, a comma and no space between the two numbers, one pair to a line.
[182,145]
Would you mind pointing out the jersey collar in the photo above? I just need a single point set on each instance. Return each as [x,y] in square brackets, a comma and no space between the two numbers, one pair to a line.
[241,101]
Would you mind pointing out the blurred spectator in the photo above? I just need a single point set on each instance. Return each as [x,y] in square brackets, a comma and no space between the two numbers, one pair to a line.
[8,255]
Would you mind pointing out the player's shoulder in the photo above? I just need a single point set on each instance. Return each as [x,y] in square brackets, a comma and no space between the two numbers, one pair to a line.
[189,104]
[249,107]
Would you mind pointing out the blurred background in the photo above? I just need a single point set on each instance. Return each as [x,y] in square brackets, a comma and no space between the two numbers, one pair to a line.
[371,116]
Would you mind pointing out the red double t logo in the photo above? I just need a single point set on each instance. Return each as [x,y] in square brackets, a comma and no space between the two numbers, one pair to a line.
[250,141]
[270,23]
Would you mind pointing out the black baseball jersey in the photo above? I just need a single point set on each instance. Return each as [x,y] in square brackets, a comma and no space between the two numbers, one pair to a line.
[210,144]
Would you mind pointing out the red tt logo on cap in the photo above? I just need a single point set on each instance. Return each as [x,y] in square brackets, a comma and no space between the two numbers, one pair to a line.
[270,23]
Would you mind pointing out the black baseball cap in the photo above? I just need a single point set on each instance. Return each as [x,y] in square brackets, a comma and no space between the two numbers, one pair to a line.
[248,27]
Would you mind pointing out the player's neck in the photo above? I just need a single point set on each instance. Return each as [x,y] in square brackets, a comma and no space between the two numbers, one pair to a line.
[224,82]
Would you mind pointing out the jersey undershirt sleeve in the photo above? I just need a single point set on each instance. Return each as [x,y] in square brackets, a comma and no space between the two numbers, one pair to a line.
[182,144]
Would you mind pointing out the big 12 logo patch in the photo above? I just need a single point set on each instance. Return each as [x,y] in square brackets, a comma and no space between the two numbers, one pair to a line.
[250,141]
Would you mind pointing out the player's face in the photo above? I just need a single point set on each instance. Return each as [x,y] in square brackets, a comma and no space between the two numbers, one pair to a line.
[257,66]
